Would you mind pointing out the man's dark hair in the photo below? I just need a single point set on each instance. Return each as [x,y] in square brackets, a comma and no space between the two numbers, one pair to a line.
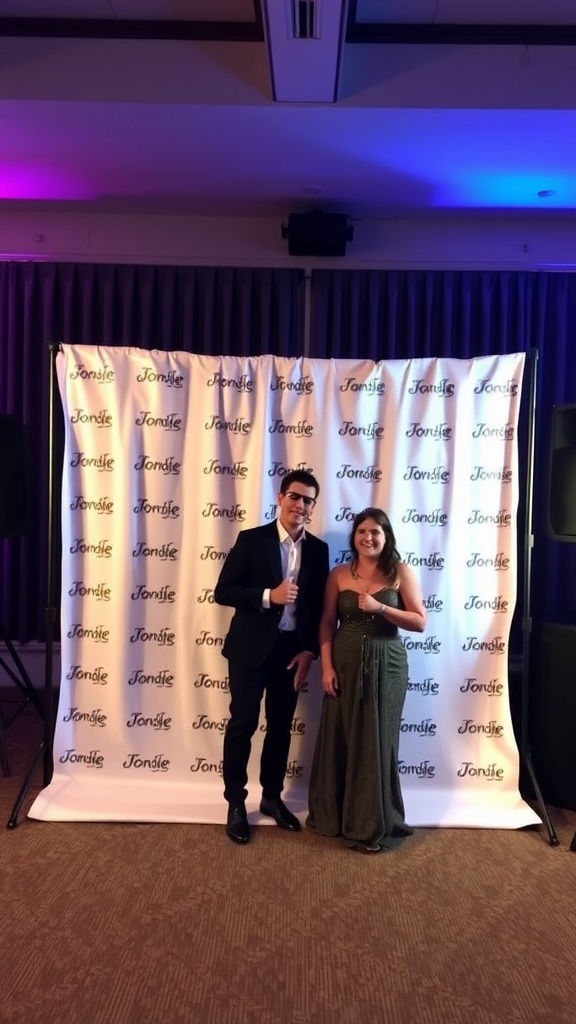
[299,476]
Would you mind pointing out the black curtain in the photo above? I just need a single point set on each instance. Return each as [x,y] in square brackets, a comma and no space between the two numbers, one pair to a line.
[219,310]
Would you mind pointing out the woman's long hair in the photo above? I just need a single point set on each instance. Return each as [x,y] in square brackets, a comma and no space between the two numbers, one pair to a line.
[388,560]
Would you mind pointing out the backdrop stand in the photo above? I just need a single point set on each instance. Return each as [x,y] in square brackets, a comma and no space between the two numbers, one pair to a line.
[525,755]
[44,752]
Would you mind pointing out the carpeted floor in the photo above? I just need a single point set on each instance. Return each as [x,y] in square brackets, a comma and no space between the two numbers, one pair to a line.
[173,924]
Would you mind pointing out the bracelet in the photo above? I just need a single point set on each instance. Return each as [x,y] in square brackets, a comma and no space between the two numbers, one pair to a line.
[382,609]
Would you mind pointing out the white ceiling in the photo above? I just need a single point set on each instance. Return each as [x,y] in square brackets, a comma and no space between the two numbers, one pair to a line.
[398,107]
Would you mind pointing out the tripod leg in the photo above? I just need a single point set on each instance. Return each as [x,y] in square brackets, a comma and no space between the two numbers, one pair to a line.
[13,819]
[552,837]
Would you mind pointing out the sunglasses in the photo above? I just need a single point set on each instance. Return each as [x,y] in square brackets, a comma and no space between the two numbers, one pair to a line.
[294,496]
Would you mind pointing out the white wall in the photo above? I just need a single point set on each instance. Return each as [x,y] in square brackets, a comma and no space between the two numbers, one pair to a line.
[537,242]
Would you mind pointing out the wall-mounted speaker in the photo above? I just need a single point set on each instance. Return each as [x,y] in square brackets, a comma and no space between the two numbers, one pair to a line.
[12,477]
[562,474]
[317,234]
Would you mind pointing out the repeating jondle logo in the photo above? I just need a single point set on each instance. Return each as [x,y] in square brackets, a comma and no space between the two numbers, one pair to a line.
[162,637]
[301,429]
[102,419]
[165,509]
[95,718]
[438,475]
[206,638]
[210,724]
[302,386]
[492,688]
[159,722]
[206,596]
[101,592]
[237,470]
[367,387]
[427,687]
[211,682]
[98,675]
[170,422]
[435,518]
[102,463]
[102,548]
[348,472]
[491,772]
[424,770]
[212,554]
[168,466]
[162,679]
[157,763]
[499,519]
[344,515]
[500,476]
[433,603]
[343,557]
[238,426]
[218,380]
[169,380]
[430,645]
[102,506]
[373,431]
[500,561]
[204,766]
[93,759]
[99,634]
[504,433]
[297,726]
[434,560]
[165,595]
[279,469]
[488,387]
[294,770]
[165,553]
[497,645]
[495,604]
[103,375]
[472,728]
[443,387]
[440,432]
[234,513]
[427,727]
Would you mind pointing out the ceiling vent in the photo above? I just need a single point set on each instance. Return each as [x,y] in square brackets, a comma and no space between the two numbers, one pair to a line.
[304,19]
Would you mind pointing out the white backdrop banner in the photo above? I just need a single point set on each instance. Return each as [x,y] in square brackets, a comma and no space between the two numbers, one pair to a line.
[167,456]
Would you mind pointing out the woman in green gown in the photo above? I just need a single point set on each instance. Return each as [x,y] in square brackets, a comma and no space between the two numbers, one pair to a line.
[354,785]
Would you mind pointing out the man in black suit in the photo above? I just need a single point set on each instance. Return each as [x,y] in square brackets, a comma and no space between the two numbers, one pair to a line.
[274,578]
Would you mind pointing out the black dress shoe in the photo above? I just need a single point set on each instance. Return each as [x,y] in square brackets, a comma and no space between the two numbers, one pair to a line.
[282,816]
[237,827]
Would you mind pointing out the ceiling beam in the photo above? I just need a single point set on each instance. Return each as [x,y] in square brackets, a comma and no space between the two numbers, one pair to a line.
[304,39]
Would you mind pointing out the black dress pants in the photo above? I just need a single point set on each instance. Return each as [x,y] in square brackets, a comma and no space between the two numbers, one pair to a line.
[247,687]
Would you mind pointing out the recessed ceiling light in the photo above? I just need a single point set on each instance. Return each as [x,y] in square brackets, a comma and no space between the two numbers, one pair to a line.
[545,193]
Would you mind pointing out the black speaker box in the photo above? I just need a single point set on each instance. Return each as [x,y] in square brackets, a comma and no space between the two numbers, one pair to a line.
[318,234]
[552,719]
[12,477]
[562,475]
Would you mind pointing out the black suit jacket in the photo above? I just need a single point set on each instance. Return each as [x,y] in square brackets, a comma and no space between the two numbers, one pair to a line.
[253,564]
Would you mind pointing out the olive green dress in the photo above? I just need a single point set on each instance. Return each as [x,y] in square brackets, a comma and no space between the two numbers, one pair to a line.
[354,783]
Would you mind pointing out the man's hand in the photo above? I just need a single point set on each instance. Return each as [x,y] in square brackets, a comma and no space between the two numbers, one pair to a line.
[302,664]
[285,593]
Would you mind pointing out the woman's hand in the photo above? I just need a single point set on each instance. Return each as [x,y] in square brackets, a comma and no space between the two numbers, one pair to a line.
[368,603]
[330,683]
